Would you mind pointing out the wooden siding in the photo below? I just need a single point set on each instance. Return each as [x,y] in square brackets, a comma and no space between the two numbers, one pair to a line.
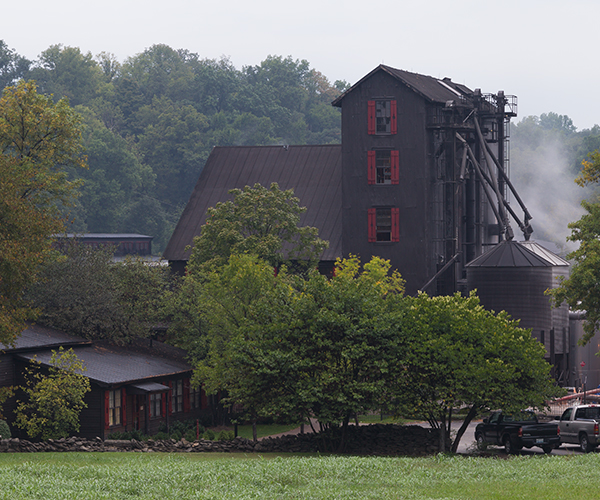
[411,254]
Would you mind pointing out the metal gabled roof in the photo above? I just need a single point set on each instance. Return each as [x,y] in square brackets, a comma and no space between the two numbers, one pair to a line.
[432,89]
[111,365]
[509,253]
[313,172]
[42,337]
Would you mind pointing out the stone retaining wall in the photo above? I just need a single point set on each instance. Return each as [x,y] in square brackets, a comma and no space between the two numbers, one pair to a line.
[377,439]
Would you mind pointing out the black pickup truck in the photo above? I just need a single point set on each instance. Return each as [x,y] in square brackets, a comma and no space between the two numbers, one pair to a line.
[517,431]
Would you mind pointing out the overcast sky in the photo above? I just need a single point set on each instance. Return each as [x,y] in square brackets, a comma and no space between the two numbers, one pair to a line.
[543,51]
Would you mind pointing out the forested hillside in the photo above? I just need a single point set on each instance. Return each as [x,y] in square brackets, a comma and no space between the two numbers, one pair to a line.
[151,121]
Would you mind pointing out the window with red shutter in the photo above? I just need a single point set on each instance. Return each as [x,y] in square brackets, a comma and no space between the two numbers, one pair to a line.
[186,395]
[372,215]
[106,409]
[371,117]
[395,224]
[384,224]
[395,167]
[382,117]
[123,407]
[371,161]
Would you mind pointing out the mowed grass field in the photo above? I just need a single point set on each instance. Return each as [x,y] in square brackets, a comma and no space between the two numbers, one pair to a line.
[210,476]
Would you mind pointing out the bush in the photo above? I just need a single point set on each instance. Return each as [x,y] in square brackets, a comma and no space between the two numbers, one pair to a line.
[4,430]
[191,435]
[209,435]
[226,436]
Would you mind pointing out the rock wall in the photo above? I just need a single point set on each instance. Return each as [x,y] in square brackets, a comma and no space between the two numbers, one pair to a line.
[377,439]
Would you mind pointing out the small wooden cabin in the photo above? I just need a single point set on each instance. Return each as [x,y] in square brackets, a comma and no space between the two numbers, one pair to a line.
[142,386]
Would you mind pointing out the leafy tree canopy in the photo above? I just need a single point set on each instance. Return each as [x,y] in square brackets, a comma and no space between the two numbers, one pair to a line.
[258,220]
[457,354]
[85,293]
[38,140]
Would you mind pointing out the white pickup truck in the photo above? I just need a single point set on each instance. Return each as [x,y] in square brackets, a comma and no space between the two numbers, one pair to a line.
[579,425]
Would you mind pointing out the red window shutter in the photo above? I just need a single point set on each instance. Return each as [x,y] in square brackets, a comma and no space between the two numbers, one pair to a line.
[106,409]
[372,225]
[186,395]
[395,224]
[395,160]
[371,117]
[163,403]
[393,121]
[371,167]
[124,407]
[170,397]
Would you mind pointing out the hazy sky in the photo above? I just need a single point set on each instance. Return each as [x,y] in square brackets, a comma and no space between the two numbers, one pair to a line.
[543,51]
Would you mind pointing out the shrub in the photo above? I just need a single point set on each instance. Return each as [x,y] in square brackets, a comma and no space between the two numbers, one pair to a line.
[208,434]
[53,401]
[190,435]
[226,436]
[4,430]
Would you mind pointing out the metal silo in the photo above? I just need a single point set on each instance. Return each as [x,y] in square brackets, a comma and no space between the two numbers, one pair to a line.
[513,276]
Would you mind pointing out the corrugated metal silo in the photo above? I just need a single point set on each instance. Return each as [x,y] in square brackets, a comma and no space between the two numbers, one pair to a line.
[513,276]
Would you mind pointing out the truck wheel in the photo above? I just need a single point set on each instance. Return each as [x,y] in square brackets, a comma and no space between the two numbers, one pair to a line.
[547,448]
[508,446]
[480,442]
[584,443]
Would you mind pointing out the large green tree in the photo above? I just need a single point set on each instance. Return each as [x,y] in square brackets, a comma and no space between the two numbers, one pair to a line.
[459,355]
[258,220]
[86,293]
[289,348]
[38,140]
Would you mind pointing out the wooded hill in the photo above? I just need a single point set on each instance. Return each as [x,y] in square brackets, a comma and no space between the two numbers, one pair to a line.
[151,121]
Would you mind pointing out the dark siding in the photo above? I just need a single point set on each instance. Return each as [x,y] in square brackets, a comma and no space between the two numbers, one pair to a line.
[410,254]
[91,418]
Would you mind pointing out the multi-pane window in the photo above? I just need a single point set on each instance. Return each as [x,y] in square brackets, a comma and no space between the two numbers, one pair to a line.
[382,116]
[177,398]
[384,224]
[114,407]
[155,405]
[195,401]
[383,167]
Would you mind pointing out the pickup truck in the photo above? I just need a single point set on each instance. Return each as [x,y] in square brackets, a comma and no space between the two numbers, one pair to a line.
[579,425]
[517,431]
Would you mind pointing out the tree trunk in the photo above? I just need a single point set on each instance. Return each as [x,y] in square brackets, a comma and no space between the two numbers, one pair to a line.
[254,433]
[342,445]
[470,416]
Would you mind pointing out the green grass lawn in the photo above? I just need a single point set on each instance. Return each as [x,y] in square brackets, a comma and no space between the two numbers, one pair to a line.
[209,476]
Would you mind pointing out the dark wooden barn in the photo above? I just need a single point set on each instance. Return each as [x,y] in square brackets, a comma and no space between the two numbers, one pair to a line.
[142,386]
[418,179]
